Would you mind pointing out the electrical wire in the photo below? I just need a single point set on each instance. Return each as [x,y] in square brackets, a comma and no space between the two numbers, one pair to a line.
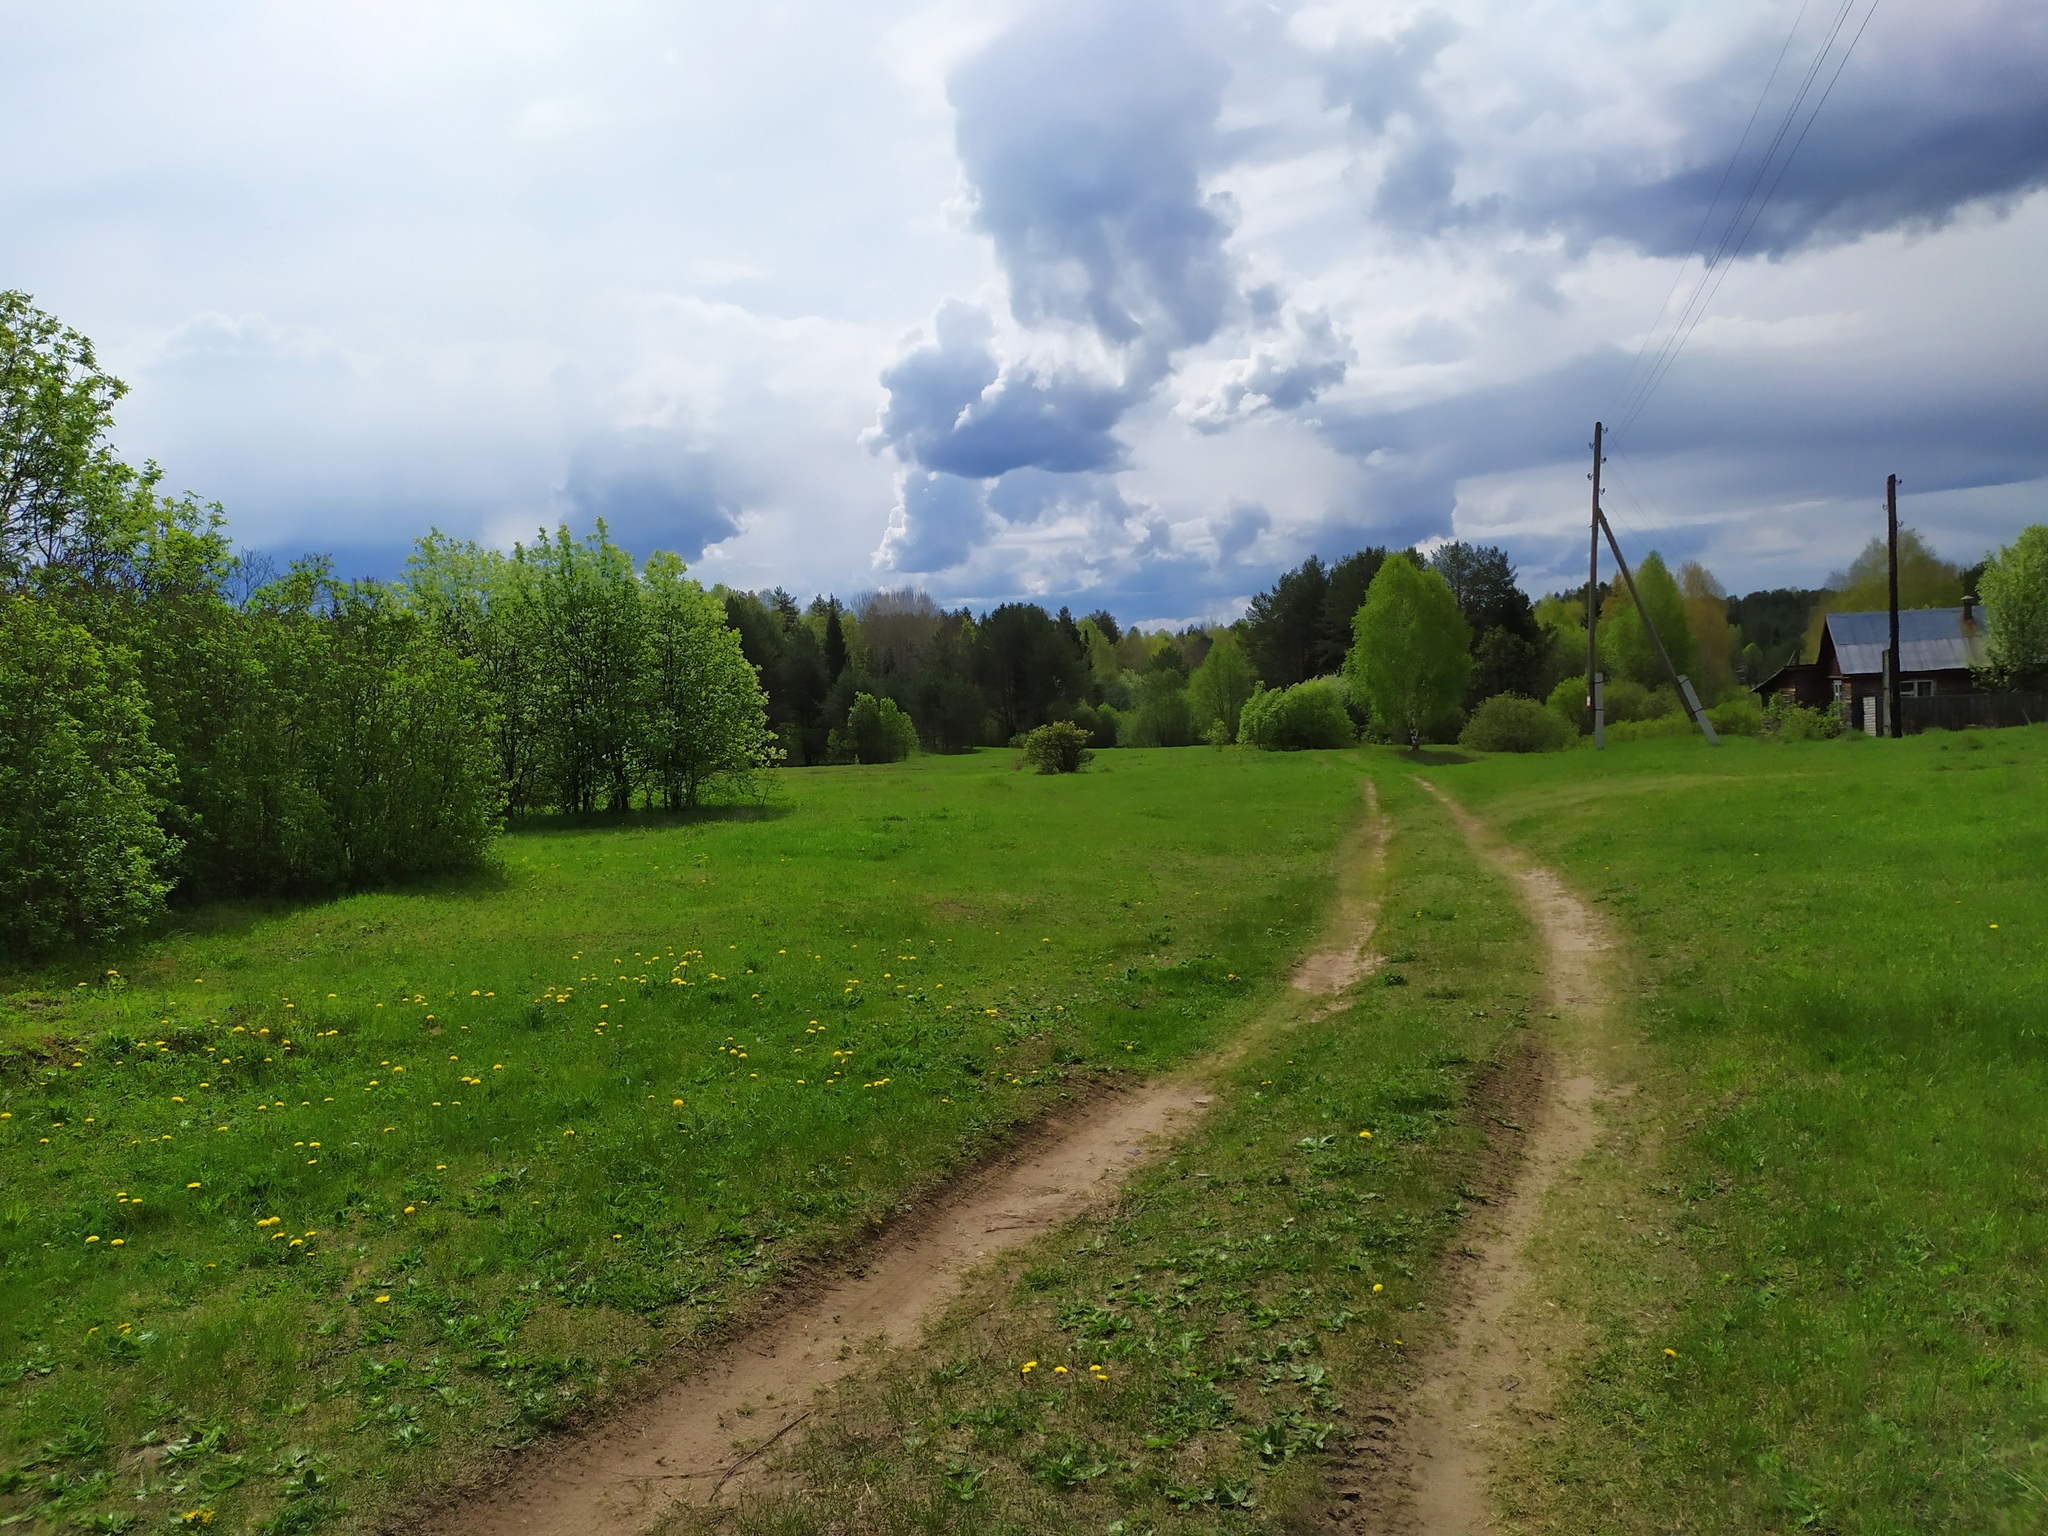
[1742,223]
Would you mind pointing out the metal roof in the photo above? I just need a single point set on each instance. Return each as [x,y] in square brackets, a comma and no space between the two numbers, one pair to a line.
[1930,640]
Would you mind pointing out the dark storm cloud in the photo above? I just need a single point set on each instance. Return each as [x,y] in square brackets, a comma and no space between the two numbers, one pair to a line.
[939,522]
[1084,132]
[1239,530]
[1924,121]
[651,492]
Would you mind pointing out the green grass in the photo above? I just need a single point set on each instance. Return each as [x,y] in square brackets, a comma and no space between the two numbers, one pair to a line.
[303,1209]
[1838,971]
[1247,1301]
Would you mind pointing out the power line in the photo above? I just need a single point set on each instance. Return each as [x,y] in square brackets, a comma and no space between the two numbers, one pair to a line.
[1750,210]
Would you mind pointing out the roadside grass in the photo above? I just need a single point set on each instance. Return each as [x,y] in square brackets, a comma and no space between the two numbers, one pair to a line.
[306,1210]
[1836,1208]
[1199,1357]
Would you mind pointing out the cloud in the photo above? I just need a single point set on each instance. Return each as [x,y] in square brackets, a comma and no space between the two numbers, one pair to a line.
[1282,376]
[1486,115]
[939,520]
[652,492]
[1084,132]
[1238,531]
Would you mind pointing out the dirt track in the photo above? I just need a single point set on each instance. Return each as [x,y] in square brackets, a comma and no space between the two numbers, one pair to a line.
[689,1442]
[1504,1353]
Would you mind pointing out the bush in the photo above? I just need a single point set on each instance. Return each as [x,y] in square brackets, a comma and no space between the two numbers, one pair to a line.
[876,732]
[1568,702]
[1061,747]
[1307,717]
[1509,723]
[1739,716]
[1783,720]
[81,854]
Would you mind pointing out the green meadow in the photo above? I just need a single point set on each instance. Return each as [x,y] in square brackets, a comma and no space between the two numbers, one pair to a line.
[1835,1183]
[1805,1268]
[304,1208]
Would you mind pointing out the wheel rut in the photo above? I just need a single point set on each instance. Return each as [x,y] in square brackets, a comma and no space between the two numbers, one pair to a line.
[1505,1352]
[701,1437]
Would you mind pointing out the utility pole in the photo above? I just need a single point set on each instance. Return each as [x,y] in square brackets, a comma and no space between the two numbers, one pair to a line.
[1891,657]
[1682,683]
[1595,705]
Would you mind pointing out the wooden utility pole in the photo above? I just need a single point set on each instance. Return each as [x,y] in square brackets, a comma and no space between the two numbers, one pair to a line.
[1595,705]
[1892,690]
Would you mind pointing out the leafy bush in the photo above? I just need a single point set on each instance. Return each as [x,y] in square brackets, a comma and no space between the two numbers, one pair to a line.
[81,854]
[876,731]
[1568,702]
[1307,717]
[1061,747]
[1783,720]
[1739,716]
[1509,723]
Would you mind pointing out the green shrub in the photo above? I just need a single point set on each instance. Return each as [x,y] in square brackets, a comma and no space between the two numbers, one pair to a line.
[1061,747]
[81,854]
[876,732]
[1739,716]
[1568,702]
[1782,720]
[1508,722]
[1307,717]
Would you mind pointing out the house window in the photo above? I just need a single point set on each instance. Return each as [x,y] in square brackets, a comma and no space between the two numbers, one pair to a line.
[1916,688]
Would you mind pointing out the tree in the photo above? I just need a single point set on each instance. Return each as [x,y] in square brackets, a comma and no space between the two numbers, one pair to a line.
[2014,587]
[703,715]
[1220,685]
[1348,580]
[876,731]
[81,853]
[834,641]
[56,468]
[1714,641]
[1626,648]
[1026,668]
[1308,717]
[1925,581]
[1282,628]
[1410,653]
[587,627]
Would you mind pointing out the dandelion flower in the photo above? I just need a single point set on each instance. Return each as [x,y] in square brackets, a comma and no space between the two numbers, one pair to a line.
[1365,1135]
[382,1299]
[121,1241]
[1059,1370]
[192,1186]
[1029,1367]
[1672,1353]
[92,1239]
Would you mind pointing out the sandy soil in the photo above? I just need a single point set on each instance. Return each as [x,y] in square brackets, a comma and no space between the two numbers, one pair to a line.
[701,1438]
[692,1441]
[1426,1467]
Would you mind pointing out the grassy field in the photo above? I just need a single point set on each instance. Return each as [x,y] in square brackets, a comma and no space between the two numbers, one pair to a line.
[303,1209]
[1829,1200]
[1202,1357]
[1836,1181]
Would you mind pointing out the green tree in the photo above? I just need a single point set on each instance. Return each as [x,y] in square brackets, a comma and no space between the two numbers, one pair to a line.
[877,731]
[704,716]
[1220,685]
[1626,648]
[1308,717]
[81,854]
[480,604]
[1411,648]
[589,643]
[2014,587]
[1925,581]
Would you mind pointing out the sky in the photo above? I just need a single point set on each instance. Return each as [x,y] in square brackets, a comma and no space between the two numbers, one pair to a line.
[1117,303]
